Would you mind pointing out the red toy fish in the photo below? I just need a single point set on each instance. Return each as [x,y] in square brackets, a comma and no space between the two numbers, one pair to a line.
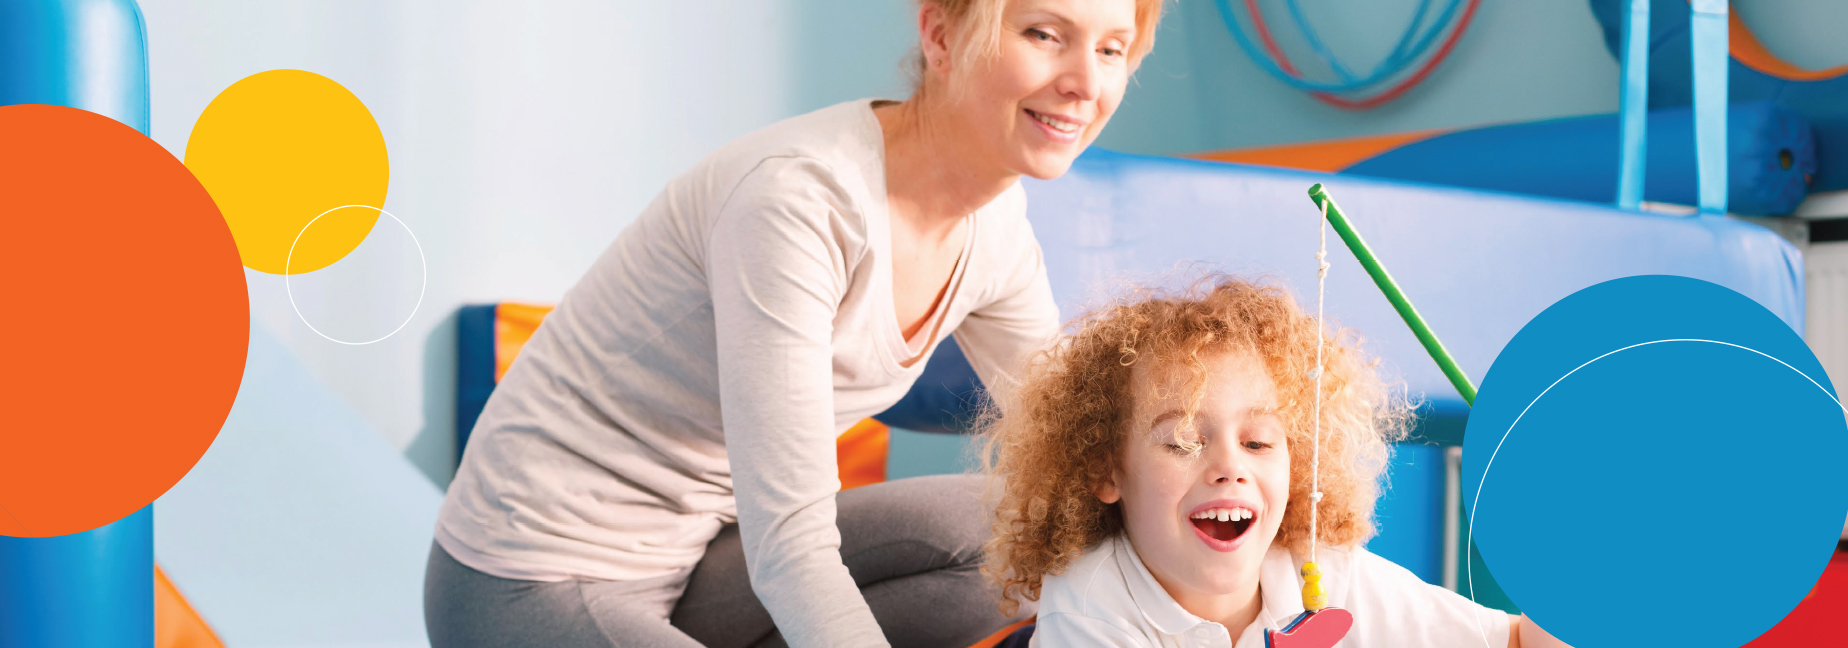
[1317,629]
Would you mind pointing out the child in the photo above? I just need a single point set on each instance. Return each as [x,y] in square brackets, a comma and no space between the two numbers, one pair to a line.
[1153,477]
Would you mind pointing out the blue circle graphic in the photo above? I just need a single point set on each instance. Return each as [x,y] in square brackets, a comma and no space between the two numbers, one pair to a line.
[1654,461]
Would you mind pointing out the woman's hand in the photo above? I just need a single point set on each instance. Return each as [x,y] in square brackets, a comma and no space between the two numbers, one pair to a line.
[1522,633]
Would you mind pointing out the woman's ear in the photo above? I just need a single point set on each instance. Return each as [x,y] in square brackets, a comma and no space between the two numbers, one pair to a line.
[934,35]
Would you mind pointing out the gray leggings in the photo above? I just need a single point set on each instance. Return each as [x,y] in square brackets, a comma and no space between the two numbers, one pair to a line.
[914,547]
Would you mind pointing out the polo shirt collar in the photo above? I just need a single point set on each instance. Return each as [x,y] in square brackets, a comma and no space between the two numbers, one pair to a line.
[1161,610]
[1277,586]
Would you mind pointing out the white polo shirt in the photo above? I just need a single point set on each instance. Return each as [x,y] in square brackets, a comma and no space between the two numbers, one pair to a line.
[1108,598]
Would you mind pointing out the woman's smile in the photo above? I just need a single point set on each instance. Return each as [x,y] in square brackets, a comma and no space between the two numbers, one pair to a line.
[1061,129]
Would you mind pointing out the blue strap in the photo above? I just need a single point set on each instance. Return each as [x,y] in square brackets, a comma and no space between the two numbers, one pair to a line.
[1710,66]
[1634,101]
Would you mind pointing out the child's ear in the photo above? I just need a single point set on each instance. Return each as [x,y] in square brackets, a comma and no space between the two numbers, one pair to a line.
[1107,490]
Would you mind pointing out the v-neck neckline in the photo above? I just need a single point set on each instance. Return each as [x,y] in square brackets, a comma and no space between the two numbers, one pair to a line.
[933,322]
[899,349]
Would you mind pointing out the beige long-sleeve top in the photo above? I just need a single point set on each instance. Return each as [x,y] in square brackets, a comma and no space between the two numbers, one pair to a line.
[699,373]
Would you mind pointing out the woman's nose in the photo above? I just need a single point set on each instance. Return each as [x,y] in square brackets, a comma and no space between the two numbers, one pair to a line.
[1081,80]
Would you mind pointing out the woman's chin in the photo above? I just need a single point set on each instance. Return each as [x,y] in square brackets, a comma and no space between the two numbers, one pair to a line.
[1046,166]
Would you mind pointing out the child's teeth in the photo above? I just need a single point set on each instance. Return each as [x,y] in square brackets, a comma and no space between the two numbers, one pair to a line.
[1226,515]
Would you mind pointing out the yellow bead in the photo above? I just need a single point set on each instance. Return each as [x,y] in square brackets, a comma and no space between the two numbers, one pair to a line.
[1313,597]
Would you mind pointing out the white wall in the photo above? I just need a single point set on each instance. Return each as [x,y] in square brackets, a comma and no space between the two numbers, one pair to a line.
[522,135]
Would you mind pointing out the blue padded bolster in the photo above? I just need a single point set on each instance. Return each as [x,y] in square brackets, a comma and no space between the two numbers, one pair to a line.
[1577,158]
[946,398]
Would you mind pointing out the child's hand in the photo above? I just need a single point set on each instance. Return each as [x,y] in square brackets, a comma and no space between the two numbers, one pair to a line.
[1522,633]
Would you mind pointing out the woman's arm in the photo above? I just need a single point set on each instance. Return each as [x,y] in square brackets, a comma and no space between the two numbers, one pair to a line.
[774,265]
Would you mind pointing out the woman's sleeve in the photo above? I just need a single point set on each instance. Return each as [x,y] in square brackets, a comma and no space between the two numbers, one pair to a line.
[776,269]
[1001,336]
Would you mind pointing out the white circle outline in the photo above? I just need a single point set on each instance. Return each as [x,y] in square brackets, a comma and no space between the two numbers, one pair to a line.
[1469,566]
[422,262]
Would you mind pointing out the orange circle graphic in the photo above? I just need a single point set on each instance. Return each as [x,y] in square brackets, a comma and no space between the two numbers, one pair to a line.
[126,321]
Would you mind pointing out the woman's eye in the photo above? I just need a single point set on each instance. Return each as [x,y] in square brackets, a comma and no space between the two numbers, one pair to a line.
[1257,445]
[1111,52]
[1039,34]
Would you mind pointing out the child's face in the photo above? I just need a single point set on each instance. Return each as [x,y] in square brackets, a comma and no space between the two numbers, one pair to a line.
[1174,501]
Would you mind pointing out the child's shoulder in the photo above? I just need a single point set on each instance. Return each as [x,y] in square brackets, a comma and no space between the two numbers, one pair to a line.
[1094,601]
[1084,585]
[1360,572]
[1393,606]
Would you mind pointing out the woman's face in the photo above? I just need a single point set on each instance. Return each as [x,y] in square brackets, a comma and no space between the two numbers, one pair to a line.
[1201,519]
[1058,75]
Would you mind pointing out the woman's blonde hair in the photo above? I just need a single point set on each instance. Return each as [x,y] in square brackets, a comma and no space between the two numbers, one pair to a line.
[1064,428]
[978,22]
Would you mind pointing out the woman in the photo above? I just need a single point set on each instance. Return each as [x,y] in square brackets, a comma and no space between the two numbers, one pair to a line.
[664,447]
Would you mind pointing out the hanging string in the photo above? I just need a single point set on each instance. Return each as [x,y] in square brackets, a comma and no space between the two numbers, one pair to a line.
[1313,598]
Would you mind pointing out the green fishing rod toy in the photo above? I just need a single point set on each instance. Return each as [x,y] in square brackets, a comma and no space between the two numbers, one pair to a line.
[1384,280]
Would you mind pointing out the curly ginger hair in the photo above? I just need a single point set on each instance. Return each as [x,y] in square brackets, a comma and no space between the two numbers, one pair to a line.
[1065,424]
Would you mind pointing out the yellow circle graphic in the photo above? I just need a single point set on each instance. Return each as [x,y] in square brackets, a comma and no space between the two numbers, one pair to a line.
[278,148]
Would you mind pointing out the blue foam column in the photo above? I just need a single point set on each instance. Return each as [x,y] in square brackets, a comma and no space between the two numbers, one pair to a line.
[1633,102]
[94,588]
[88,590]
[89,54]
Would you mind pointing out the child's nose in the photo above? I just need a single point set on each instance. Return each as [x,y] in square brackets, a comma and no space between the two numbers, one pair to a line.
[1227,469]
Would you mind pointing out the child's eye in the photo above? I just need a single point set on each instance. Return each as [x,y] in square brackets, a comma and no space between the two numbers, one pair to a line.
[1258,445]
[1179,449]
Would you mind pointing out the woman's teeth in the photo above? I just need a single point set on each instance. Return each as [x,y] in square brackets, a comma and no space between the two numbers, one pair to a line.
[1225,515]
[1058,125]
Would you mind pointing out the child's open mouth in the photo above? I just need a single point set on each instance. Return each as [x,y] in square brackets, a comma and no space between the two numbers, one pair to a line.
[1221,528]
